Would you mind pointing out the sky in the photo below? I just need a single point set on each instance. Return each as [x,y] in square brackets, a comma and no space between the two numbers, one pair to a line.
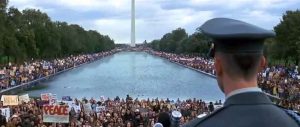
[154,18]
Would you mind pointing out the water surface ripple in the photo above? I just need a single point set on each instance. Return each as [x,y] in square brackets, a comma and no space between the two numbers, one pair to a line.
[136,73]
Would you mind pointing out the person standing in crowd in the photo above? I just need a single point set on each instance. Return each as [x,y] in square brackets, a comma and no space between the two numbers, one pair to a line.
[238,55]
[164,119]
[211,107]
[2,119]
[72,113]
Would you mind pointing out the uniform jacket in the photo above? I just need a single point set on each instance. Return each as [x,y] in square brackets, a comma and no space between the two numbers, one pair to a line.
[250,109]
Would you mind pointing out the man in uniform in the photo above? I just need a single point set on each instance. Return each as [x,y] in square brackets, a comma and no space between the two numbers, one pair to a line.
[238,55]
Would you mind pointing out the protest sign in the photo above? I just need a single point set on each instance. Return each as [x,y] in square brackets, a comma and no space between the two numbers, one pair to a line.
[100,109]
[52,99]
[71,105]
[10,100]
[87,108]
[55,114]
[6,113]
[45,96]
[68,102]
[24,98]
[77,108]
[66,98]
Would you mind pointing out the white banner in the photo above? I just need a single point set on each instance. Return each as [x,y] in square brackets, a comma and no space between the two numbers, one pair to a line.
[6,113]
[72,104]
[52,99]
[100,109]
[10,100]
[66,98]
[87,108]
[24,98]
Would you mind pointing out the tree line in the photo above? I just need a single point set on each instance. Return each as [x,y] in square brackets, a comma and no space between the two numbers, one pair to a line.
[178,41]
[283,49]
[30,34]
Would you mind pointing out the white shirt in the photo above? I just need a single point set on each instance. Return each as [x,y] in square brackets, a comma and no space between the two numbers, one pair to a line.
[243,90]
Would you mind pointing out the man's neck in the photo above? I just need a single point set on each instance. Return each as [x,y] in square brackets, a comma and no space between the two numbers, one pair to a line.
[243,90]
[232,85]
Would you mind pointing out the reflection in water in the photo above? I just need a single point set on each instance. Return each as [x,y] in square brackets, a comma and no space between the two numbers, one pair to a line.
[136,73]
[133,73]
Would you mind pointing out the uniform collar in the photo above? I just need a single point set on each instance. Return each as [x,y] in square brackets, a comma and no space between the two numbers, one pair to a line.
[243,90]
[248,98]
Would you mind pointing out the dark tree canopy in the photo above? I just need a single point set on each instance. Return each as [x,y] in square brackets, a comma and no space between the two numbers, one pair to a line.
[31,34]
[286,45]
[283,49]
[178,41]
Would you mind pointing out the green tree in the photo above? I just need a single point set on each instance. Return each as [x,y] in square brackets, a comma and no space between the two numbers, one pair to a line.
[178,41]
[171,41]
[32,34]
[10,42]
[2,30]
[24,35]
[196,43]
[287,36]
[155,45]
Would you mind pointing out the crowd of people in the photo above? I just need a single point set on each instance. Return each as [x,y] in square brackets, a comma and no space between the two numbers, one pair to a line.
[199,63]
[280,81]
[115,112]
[16,74]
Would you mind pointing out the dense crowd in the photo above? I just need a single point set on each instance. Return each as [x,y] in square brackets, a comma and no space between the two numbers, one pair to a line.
[115,112]
[280,81]
[15,74]
[199,63]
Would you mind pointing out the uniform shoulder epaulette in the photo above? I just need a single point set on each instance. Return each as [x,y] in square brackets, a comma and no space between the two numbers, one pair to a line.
[210,115]
[292,114]
[197,121]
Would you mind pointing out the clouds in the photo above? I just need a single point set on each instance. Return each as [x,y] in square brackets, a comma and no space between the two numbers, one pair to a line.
[157,17]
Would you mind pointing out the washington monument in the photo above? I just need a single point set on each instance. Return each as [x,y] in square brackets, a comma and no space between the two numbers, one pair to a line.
[132,23]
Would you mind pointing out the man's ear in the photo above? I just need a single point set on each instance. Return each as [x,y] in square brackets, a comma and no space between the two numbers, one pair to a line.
[218,66]
[262,63]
